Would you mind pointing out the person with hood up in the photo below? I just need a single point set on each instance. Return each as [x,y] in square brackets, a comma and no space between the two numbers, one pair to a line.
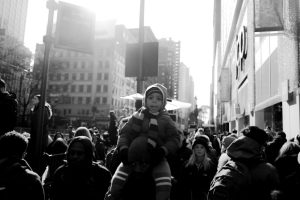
[8,107]
[263,178]
[17,180]
[80,177]
[153,121]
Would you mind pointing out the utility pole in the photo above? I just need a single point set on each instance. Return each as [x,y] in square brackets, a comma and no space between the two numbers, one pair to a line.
[42,137]
[140,77]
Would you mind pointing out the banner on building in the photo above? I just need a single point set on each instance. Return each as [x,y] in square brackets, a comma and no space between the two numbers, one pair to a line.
[150,59]
[75,28]
[225,85]
[268,15]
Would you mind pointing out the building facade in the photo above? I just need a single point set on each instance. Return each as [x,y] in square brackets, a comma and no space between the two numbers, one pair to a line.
[86,87]
[256,65]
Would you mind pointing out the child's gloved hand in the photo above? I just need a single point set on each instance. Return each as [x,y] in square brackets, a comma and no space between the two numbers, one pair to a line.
[124,156]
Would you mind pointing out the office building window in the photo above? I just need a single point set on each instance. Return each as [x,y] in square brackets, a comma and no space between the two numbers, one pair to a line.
[74,76]
[106,76]
[97,100]
[98,89]
[79,100]
[88,100]
[99,76]
[81,76]
[90,76]
[66,76]
[104,100]
[80,88]
[105,88]
[73,88]
[88,88]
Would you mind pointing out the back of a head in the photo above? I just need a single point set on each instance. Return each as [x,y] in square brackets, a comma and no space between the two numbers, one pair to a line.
[257,134]
[13,144]
[83,131]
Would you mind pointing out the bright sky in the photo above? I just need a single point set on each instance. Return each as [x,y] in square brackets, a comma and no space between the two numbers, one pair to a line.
[187,21]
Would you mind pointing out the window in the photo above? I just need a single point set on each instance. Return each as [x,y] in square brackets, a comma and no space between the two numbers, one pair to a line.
[81,76]
[79,100]
[51,77]
[58,76]
[106,76]
[88,88]
[65,88]
[105,88]
[80,88]
[74,77]
[83,65]
[104,100]
[66,76]
[73,88]
[88,100]
[90,76]
[97,100]
[98,89]
[99,76]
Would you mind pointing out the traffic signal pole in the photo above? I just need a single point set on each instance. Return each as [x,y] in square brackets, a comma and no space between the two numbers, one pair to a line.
[140,77]
[42,137]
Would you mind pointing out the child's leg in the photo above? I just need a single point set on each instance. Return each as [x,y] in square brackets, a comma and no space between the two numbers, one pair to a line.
[118,181]
[162,177]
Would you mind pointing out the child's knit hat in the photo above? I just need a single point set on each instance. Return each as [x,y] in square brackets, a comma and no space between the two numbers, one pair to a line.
[156,88]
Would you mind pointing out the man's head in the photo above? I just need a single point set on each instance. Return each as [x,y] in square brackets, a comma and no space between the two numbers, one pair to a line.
[13,144]
[2,85]
[80,152]
[155,97]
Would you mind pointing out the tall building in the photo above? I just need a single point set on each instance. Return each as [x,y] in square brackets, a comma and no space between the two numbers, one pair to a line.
[256,64]
[168,65]
[13,18]
[13,64]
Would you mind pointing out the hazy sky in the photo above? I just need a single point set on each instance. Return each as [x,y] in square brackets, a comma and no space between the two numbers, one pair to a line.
[187,21]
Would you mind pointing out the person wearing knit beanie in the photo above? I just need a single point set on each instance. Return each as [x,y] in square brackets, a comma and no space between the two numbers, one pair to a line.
[162,138]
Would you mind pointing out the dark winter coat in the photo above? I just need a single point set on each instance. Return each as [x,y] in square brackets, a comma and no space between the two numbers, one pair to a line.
[264,176]
[8,112]
[195,181]
[90,183]
[18,181]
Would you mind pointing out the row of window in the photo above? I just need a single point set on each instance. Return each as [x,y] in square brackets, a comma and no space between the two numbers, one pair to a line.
[78,88]
[77,76]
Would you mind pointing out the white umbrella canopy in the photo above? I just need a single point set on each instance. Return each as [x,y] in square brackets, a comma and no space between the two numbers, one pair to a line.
[172,104]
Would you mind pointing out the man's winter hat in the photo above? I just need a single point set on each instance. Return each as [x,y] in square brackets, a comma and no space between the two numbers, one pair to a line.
[201,139]
[257,134]
[156,88]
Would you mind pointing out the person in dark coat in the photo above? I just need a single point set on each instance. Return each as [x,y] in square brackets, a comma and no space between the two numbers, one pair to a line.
[198,171]
[17,180]
[32,156]
[289,170]
[273,147]
[8,109]
[80,178]
[249,150]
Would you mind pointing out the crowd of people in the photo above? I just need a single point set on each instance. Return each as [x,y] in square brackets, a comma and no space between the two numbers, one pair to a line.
[145,156]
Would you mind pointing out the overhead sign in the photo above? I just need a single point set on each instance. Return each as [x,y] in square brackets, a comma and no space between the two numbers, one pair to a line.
[75,28]
[150,60]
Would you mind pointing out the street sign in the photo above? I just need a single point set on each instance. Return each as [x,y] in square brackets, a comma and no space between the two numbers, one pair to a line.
[75,28]
[150,59]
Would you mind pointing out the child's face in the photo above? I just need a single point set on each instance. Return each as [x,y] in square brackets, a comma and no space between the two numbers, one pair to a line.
[154,102]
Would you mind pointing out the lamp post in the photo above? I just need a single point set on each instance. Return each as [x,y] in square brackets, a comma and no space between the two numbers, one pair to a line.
[141,50]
